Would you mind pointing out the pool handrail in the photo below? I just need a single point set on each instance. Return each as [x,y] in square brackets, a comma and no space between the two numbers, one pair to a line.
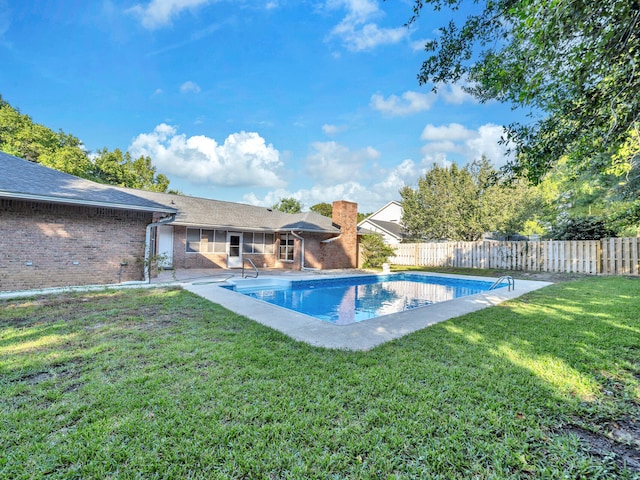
[255,269]
[511,283]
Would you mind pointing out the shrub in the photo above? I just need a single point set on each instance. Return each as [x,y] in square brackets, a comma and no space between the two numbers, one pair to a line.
[374,251]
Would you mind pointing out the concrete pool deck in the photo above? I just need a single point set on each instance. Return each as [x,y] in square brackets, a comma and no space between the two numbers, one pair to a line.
[363,335]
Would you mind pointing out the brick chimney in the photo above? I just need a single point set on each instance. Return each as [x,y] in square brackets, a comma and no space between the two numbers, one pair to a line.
[343,253]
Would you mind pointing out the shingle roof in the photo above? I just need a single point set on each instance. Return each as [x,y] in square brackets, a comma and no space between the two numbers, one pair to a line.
[204,212]
[22,179]
[391,227]
[29,180]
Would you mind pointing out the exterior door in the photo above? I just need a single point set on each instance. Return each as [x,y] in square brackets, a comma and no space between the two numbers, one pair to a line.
[234,250]
[165,246]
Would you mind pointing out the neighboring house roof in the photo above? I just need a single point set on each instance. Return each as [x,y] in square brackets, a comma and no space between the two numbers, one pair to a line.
[392,203]
[204,212]
[25,180]
[393,229]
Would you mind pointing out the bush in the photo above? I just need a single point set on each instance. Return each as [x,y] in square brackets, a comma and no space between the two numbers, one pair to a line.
[374,251]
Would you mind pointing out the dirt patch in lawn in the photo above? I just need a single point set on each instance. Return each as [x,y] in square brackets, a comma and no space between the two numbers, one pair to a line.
[619,440]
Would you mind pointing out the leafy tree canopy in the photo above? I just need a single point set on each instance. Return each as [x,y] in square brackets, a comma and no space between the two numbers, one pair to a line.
[574,64]
[21,137]
[323,208]
[453,203]
[288,205]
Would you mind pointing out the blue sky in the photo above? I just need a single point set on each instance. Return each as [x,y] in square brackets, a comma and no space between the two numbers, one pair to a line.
[248,100]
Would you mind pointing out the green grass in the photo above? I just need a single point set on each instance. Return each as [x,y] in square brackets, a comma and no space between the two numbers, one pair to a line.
[162,384]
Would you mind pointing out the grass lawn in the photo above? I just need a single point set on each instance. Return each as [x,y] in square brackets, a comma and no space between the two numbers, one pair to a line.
[162,384]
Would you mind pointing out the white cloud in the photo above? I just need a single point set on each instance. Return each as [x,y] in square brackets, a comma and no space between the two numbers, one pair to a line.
[438,158]
[486,143]
[244,159]
[357,31]
[403,174]
[456,95]
[466,143]
[159,13]
[442,146]
[418,45]
[453,131]
[333,129]
[308,197]
[369,196]
[332,163]
[410,102]
[189,87]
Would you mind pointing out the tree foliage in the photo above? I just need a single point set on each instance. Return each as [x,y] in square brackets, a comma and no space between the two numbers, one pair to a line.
[583,228]
[21,137]
[374,251]
[288,205]
[453,203]
[116,168]
[323,208]
[606,193]
[573,64]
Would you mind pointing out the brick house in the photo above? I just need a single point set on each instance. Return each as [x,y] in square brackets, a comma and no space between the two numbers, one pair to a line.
[60,230]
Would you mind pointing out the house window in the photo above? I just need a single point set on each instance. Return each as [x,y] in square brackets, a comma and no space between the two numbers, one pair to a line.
[220,242]
[247,243]
[193,239]
[269,240]
[286,247]
[258,243]
[206,241]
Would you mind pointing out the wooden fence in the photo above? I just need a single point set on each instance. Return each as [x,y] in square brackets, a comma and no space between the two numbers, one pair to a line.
[611,256]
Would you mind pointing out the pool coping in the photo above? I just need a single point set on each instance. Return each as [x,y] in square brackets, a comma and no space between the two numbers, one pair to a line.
[362,335]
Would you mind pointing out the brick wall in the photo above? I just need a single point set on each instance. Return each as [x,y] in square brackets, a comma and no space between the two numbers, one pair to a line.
[48,245]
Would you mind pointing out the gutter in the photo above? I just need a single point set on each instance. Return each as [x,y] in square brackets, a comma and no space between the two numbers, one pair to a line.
[332,239]
[81,202]
[147,246]
[302,267]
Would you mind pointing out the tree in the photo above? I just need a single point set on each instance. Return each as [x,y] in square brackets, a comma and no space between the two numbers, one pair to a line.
[323,208]
[362,216]
[117,168]
[21,137]
[288,205]
[453,203]
[374,251]
[583,228]
[574,64]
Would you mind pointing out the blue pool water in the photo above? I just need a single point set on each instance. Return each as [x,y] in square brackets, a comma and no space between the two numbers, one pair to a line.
[352,299]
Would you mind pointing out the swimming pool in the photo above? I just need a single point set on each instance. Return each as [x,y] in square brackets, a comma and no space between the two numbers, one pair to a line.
[343,301]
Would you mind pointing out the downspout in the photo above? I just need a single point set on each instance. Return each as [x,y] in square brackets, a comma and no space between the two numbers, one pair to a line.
[302,267]
[147,246]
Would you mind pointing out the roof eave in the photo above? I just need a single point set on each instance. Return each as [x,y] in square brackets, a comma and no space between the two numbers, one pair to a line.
[247,228]
[86,203]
